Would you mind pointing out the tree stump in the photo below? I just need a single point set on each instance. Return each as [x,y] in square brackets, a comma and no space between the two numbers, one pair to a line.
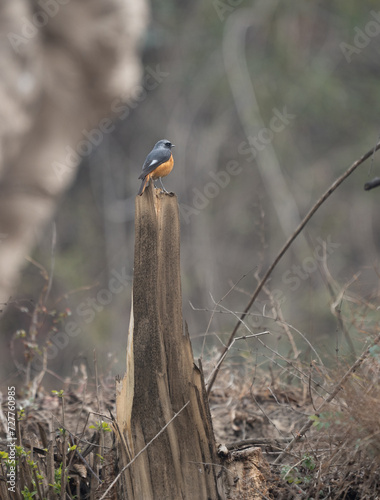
[161,377]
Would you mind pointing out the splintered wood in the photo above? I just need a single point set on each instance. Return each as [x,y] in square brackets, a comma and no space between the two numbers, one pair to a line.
[161,377]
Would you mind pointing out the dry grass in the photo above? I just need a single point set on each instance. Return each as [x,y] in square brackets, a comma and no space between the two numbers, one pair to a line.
[337,458]
[61,432]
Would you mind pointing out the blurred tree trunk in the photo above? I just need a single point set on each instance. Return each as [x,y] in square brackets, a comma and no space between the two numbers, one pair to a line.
[65,66]
[161,377]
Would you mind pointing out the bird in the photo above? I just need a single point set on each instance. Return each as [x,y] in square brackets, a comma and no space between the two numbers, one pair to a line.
[158,163]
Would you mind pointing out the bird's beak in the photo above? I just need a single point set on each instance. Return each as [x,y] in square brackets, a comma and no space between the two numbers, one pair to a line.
[173,145]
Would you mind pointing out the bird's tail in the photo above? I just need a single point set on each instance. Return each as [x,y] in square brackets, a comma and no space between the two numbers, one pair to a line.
[143,185]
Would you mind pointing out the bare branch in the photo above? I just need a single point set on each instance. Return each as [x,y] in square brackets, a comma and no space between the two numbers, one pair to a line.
[287,244]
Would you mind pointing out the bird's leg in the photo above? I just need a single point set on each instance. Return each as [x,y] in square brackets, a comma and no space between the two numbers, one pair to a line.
[162,186]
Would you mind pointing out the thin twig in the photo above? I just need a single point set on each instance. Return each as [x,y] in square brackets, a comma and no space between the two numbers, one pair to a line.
[96,380]
[216,305]
[280,316]
[331,285]
[52,263]
[228,347]
[278,320]
[287,244]
[309,388]
[336,310]
[276,353]
[264,412]
[76,450]
[63,469]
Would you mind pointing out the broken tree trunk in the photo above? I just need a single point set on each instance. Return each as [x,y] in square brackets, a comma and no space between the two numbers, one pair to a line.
[161,377]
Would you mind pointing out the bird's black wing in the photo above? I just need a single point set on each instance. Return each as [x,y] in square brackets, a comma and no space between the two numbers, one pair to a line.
[154,159]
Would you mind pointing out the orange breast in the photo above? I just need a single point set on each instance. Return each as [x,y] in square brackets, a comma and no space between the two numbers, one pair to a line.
[163,169]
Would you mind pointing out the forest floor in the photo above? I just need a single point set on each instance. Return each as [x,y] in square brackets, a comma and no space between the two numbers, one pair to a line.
[338,457]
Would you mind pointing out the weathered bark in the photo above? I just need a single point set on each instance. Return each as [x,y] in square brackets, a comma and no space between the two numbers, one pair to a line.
[246,475]
[161,376]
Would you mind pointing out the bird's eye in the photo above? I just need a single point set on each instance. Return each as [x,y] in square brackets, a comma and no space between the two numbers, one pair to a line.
[168,144]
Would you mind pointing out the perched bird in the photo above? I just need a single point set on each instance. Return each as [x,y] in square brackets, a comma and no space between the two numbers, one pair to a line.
[158,163]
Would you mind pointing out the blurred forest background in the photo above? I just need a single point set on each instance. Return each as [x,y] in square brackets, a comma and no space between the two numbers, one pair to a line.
[273,101]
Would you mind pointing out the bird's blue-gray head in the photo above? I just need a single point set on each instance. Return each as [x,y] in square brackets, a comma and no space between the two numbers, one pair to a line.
[164,143]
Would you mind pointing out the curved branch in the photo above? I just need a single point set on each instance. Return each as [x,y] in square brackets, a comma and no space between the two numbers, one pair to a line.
[283,250]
